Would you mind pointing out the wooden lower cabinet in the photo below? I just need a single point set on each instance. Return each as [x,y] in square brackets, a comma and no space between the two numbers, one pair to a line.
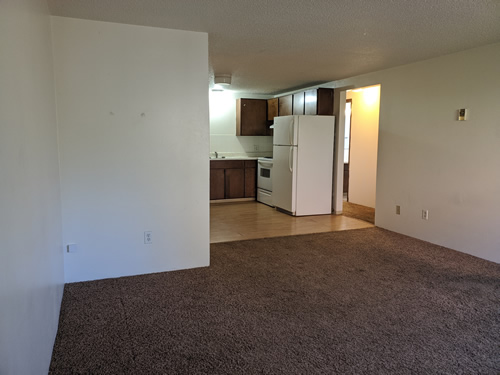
[250,182]
[231,179]
[217,190]
[235,183]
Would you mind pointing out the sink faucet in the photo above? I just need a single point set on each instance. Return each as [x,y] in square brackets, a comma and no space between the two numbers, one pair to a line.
[216,154]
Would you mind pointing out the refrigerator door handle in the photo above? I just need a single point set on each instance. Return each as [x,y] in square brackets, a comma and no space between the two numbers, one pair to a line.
[290,159]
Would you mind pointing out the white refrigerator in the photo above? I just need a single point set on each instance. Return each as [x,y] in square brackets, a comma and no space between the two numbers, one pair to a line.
[303,164]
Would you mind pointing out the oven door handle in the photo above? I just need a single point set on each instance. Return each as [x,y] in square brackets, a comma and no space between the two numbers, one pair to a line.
[266,165]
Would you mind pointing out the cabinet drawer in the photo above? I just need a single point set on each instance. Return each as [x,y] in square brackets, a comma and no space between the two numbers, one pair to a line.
[250,163]
[227,164]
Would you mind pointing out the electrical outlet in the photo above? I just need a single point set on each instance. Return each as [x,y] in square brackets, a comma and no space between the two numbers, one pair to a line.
[148,238]
[256,147]
[398,210]
[425,214]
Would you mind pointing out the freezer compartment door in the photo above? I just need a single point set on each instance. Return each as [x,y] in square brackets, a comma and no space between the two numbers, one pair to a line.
[285,131]
[284,177]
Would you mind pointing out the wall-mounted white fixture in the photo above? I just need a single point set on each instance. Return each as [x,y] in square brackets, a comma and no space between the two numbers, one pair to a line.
[222,79]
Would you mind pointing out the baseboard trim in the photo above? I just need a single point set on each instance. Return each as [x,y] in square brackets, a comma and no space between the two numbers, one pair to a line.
[218,201]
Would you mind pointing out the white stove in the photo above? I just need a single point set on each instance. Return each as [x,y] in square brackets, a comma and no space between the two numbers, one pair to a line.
[264,181]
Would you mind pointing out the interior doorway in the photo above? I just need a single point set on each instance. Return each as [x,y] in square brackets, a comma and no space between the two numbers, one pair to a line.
[362,109]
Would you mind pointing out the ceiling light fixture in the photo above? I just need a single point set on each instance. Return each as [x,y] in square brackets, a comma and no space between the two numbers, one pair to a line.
[222,79]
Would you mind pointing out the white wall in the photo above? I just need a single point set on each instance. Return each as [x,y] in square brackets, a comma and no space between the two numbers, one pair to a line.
[429,160]
[133,131]
[363,147]
[223,137]
[31,254]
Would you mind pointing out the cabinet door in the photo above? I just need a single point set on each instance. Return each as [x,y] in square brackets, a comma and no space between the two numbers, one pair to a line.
[235,183]
[250,179]
[272,112]
[251,117]
[272,109]
[298,103]
[285,104]
[216,183]
[325,102]
[311,102]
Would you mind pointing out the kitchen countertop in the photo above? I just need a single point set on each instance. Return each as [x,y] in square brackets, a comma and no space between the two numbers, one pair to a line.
[234,158]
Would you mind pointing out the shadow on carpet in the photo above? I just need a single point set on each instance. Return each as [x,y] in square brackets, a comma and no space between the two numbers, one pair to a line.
[364,301]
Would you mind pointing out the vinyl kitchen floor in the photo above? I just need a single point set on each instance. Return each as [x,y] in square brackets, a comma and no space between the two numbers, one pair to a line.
[250,220]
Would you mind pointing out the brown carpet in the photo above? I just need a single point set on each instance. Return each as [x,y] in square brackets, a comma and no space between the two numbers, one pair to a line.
[364,301]
[358,211]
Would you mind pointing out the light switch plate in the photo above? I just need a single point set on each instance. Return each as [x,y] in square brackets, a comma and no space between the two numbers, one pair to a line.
[462,114]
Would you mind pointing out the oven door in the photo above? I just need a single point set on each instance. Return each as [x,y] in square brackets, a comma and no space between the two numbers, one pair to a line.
[264,177]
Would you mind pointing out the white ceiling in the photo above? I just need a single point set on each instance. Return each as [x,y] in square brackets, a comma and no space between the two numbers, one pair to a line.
[273,46]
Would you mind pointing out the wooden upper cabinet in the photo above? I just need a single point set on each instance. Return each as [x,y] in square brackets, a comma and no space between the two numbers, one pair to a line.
[272,109]
[285,104]
[251,117]
[272,112]
[298,103]
[325,102]
[311,102]
[254,116]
